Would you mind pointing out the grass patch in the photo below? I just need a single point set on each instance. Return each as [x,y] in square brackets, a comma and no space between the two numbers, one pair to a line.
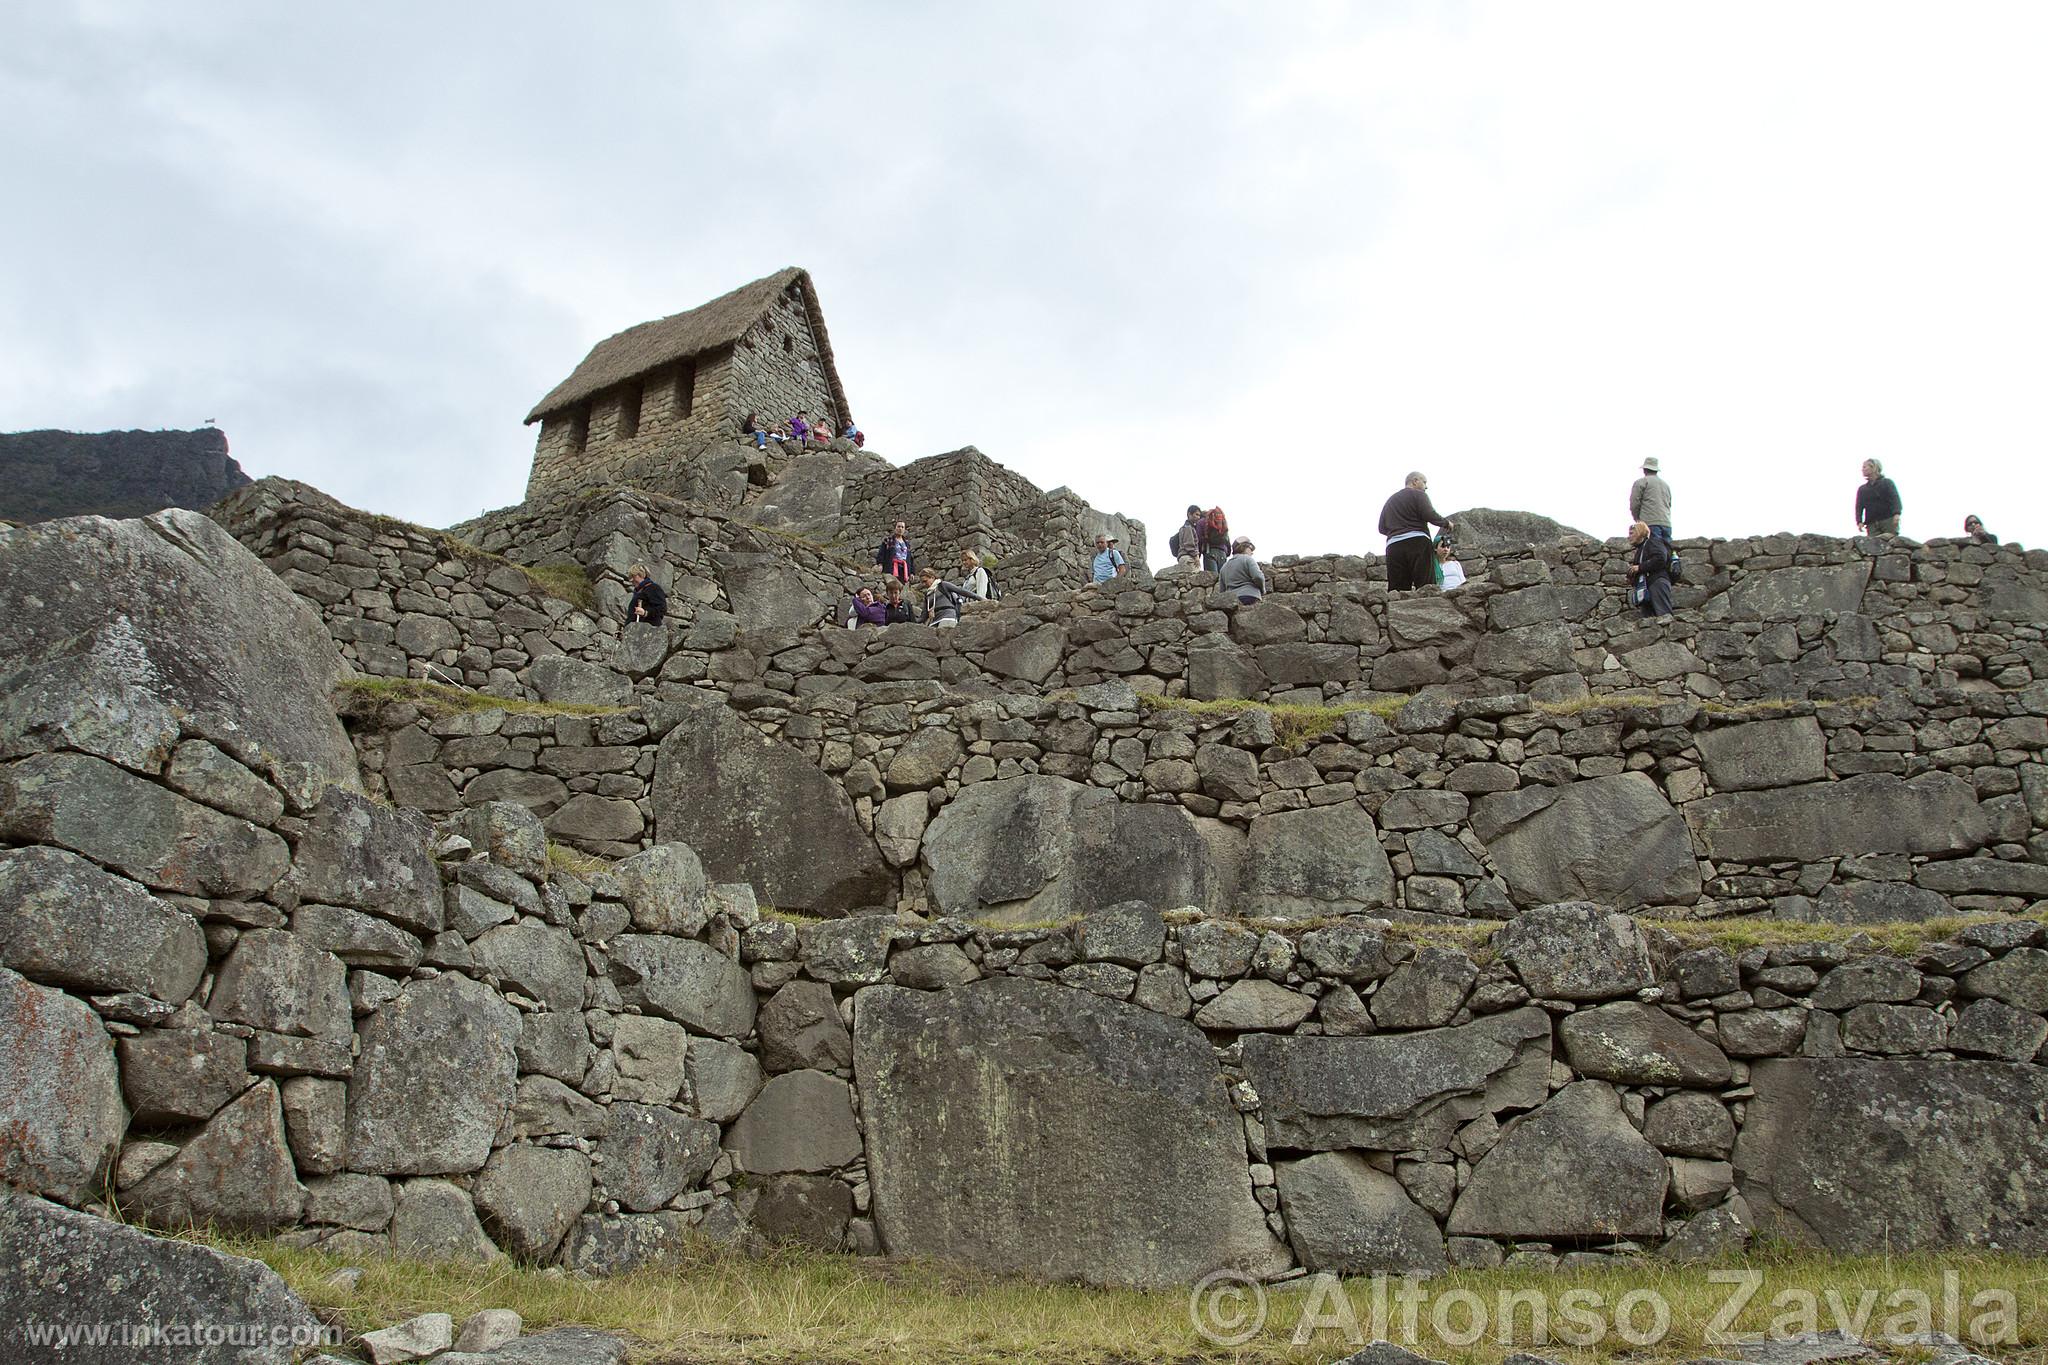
[721,1308]
[567,580]
[1293,725]
[441,699]
[563,858]
[1900,939]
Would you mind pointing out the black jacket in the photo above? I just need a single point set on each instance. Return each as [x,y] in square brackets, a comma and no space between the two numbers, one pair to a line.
[885,555]
[650,595]
[1653,558]
[1877,499]
[1409,510]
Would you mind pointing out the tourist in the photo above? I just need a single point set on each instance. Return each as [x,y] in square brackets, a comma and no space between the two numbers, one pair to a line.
[894,554]
[1973,531]
[941,600]
[898,606]
[1405,521]
[1109,561]
[1186,543]
[1449,572]
[1241,576]
[1215,540]
[973,578]
[648,604]
[1649,570]
[1877,502]
[1649,500]
[799,429]
[867,611]
[854,434]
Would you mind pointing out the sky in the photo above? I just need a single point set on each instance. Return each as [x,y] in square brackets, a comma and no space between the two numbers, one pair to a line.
[1267,256]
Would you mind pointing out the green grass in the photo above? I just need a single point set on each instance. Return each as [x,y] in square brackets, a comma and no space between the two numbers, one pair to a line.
[791,1306]
[441,699]
[564,579]
[563,858]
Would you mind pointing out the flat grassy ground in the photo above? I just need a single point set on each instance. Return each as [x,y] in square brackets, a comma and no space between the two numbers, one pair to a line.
[791,1307]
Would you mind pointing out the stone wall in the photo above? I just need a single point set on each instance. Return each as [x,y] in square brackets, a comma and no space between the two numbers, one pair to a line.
[963,500]
[778,370]
[432,1041]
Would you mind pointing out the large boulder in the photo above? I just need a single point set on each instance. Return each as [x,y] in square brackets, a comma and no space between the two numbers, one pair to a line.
[1868,813]
[1041,847]
[1325,860]
[1615,840]
[681,979]
[1397,1091]
[61,1116]
[1786,594]
[1576,952]
[1861,1154]
[767,593]
[1574,1167]
[68,923]
[448,1038]
[58,1267]
[1764,753]
[1491,531]
[1034,1129]
[237,1173]
[144,630]
[1345,1218]
[370,856]
[757,811]
[136,827]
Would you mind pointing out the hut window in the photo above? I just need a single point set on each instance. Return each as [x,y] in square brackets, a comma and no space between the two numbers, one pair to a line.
[629,412]
[686,388]
[788,345]
[579,428]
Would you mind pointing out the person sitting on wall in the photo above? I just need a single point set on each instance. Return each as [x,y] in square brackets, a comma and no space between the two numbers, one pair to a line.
[973,577]
[1109,561]
[1974,532]
[1449,572]
[799,428]
[894,554]
[1649,570]
[898,606]
[867,611]
[649,603]
[941,600]
[854,434]
[1242,577]
[752,425]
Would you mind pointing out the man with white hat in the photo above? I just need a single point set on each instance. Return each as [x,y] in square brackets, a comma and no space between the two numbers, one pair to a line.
[1649,501]
[1109,561]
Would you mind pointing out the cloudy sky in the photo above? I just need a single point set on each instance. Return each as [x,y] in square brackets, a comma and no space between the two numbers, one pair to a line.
[1267,255]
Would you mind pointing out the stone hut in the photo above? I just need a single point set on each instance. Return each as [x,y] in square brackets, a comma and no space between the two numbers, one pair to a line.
[656,393]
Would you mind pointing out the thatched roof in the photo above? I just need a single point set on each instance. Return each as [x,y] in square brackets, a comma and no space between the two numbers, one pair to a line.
[708,327]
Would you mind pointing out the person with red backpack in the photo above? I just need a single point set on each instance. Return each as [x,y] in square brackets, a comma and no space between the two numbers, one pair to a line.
[1215,540]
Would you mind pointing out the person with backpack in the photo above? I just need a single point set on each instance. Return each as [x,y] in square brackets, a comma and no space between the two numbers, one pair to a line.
[973,578]
[1405,521]
[1186,543]
[941,599]
[1649,570]
[1215,540]
[1109,561]
[649,603]
[1649,500]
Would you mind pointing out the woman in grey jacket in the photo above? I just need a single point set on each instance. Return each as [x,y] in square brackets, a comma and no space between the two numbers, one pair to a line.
[1242,577]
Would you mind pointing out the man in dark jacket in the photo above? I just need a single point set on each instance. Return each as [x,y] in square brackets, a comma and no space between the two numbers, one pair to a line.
[1877,502]
[893,556]
[1650,569]
[648,602]
[1405,522]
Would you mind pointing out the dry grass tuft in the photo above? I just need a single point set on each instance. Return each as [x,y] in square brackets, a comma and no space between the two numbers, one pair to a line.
[441,699]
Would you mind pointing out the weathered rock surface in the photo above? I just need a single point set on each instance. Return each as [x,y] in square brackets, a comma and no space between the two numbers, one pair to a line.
[1575,1167]
[1764,753]
[793,836]
[236,1174]
[1615,840]
[66,922]
[61,1115]
[1399,1091]
[60,1266]
[1861,1154]
[1865,814]
[1576,952]
[1346,1218]
[681,979]
[801,1121]
[142,630]
[531,1196]
[356,852]
[1322,861]
[1029,1128]
[651,1155]
[447,1037]
[1637,1044]
[1040,847]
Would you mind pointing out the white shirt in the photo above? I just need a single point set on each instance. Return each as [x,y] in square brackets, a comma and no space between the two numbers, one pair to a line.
[1454,575]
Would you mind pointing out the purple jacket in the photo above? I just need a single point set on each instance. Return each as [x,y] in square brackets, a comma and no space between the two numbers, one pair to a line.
[799,428]
[872,613]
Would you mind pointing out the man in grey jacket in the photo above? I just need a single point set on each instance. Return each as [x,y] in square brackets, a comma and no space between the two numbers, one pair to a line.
[1649,500]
